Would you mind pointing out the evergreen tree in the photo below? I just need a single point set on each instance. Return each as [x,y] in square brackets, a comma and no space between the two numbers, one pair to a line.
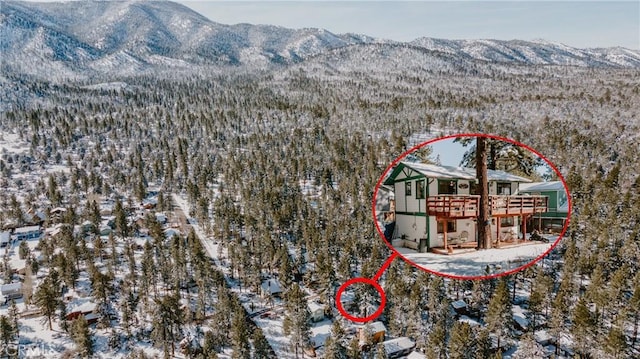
[7,333]
[615,342]
[499,316]
[81,335]
[582,329]
[46,298]
[461,342]
[483,348]
[528,348]
[381,352]
[353,351]
[240,335]
[261,348]
[299,318]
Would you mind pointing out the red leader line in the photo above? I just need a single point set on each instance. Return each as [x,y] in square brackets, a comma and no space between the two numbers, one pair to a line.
[385,265]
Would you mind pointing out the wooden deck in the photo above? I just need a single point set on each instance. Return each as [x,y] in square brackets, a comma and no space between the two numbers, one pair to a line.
[467,206]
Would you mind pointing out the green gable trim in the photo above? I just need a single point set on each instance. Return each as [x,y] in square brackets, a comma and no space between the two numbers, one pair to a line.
[396,171]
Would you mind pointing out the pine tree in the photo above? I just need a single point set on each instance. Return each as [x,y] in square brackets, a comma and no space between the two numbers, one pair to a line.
[461,342]
[122,227]
[381,352]
[583,325]
[483,348]
[7,333]
[240,335]
[261,348]
[528,348]
[47,298]
[499,316]
[299,318]
[81,335]
[484,227]
[211,346]
[615,342]
[353,351]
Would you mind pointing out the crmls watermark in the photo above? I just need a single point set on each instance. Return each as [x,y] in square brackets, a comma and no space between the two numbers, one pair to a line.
[30,351]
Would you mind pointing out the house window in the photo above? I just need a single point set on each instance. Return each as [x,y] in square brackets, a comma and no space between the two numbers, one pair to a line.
[504,188]
[451,226]
[447,187]
[407,188]
[507,222]
[420,192]
[474,188]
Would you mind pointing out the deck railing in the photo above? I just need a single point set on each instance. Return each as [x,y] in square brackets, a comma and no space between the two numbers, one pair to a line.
[467,206]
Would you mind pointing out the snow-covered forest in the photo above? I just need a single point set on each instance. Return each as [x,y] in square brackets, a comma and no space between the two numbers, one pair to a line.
[214,212]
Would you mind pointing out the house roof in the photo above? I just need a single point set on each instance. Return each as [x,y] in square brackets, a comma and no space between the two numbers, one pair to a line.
[28,229]
[313,306]
[5,236]
[11,287]
[377,327]
[451,172]
[542,186]
[459,304]
[398,344]
[271,286]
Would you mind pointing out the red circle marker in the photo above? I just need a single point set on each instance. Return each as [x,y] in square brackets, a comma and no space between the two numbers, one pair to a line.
[383,299]
[415,148]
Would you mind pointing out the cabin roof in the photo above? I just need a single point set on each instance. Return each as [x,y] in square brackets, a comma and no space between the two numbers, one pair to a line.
[452,172]
[28,229]
[542,186]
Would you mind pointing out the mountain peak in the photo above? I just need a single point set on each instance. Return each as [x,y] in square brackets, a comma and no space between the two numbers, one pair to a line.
[85,38]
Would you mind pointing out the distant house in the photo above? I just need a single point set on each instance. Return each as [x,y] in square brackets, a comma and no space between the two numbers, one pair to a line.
[316,310]
[377,331]
[554,218]
[459,306]
[398,347]
[161,218]
[5,238]
[436,207]
[34,216]
[25,233]
[542,337]
[87,310]
[171,232]
[10,291]
[270,288]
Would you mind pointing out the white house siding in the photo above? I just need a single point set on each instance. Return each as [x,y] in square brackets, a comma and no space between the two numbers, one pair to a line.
[437,239]
[494,227]
[463,187]
[413,227]
[401,204]
[414,204]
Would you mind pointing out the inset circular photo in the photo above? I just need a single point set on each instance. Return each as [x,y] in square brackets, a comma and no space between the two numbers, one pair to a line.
[472,206]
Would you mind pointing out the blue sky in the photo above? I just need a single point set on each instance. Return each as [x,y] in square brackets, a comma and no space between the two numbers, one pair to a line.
[450,154]
[575,23]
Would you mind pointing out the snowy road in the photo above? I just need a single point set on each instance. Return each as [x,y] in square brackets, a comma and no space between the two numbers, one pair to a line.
[272,329]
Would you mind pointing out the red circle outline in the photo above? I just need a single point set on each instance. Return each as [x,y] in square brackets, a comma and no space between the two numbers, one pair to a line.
[480,277]
[383,299]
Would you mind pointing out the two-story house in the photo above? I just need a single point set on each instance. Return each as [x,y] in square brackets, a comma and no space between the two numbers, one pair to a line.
[436,207]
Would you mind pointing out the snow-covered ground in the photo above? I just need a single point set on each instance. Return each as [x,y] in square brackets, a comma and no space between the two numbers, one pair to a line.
[474,263]
[11,143]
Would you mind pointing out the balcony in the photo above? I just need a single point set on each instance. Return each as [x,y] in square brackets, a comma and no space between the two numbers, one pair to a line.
[467,206]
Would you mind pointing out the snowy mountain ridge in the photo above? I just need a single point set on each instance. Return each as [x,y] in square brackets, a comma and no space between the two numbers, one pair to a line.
[81,39]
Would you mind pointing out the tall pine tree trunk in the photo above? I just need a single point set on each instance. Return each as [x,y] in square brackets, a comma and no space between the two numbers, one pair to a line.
[484,225]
